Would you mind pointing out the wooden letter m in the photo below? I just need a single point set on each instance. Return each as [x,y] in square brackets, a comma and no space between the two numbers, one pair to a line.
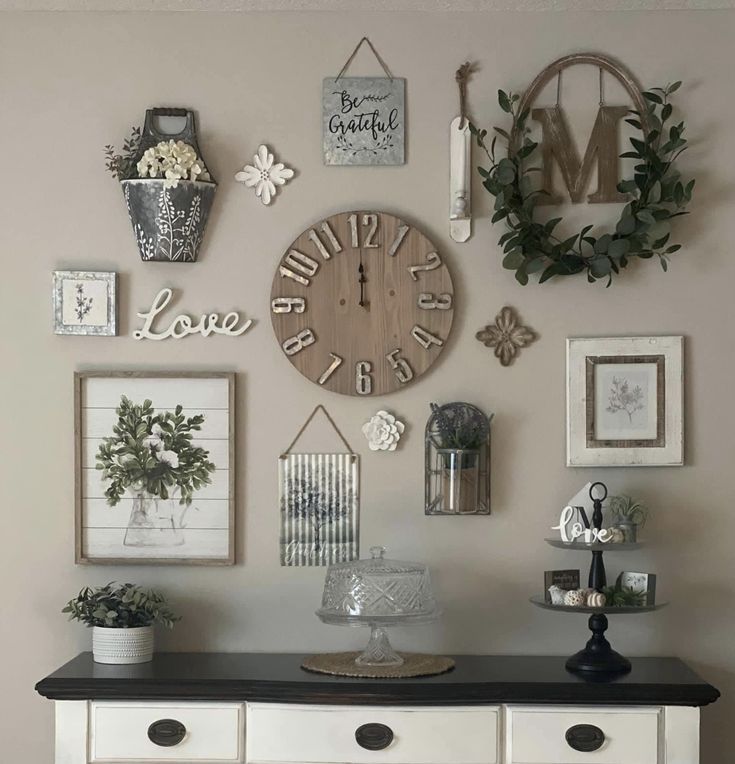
[557,143]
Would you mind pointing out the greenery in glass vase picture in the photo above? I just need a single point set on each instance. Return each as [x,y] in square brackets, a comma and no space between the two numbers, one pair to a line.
[152,456]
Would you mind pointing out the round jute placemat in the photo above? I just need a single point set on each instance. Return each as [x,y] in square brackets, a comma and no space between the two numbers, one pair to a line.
[343,664]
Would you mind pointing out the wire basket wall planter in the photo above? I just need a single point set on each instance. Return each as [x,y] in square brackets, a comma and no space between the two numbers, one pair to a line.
[457,461]
[168,220]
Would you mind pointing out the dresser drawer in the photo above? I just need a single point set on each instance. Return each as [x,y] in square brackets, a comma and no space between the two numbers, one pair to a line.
[538,735]
[310,734]
[209,732]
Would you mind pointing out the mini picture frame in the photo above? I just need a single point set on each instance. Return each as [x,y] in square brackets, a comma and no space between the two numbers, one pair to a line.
[643,583]
[85,303]
[625,398]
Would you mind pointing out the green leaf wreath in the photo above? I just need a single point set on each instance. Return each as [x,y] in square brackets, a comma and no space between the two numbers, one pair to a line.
[657,195]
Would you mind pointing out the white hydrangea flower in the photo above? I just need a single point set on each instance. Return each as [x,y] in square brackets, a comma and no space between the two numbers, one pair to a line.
[383,431]
[173,161]
[265,175]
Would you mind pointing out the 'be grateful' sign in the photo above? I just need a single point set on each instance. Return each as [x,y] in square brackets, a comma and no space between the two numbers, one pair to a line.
[364,120]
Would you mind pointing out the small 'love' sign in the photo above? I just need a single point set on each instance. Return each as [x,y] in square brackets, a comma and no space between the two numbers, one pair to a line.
[577,530]
[183,325]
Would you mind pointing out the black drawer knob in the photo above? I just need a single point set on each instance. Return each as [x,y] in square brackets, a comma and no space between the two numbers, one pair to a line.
[374,737]
[585,737]
[166,732]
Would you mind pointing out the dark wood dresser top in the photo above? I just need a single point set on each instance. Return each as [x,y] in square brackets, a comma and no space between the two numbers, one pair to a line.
[476,679]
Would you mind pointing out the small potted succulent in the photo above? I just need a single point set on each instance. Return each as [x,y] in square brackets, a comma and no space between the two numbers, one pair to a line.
[628,515]
[122,618]
[168,190]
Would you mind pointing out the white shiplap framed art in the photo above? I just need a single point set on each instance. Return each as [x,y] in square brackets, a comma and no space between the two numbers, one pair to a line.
[625,399]
[154,462]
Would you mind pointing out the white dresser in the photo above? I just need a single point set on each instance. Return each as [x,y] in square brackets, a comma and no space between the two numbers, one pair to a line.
[264,709]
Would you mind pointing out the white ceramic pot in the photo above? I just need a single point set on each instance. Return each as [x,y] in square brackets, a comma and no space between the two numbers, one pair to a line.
[122,645]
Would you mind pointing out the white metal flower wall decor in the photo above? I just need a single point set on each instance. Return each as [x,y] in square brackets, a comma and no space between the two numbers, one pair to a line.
[383,431]
[265,176]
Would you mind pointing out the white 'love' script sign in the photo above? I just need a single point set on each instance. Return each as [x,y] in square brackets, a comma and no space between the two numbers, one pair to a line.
[183,326]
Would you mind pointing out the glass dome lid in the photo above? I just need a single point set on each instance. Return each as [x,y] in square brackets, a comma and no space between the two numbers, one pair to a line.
[377,590]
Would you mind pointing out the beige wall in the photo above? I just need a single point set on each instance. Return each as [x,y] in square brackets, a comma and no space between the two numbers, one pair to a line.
[69,83]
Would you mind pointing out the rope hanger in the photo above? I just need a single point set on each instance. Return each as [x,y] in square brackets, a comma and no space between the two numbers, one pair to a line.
[306,424]
[461,77]
[352,56]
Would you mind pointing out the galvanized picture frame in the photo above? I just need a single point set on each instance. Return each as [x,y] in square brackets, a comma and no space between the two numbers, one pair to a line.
[364,120]
[85,303]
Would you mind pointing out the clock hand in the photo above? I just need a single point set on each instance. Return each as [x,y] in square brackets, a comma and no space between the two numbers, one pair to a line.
[362,281]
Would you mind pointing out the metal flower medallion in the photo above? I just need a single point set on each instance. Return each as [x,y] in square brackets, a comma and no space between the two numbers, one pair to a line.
[506,335]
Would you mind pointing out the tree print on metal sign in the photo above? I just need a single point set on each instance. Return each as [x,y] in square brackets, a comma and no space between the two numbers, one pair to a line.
[319,509]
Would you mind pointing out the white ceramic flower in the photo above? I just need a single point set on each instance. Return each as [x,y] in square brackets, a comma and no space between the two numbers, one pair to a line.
[383,431]
[265,175]
[168,457]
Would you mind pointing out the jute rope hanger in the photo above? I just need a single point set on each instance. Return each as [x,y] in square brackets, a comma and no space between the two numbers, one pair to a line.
[352,56]
[306,424]
[461,77]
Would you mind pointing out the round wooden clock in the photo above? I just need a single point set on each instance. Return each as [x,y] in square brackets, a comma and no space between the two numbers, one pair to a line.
[362,303]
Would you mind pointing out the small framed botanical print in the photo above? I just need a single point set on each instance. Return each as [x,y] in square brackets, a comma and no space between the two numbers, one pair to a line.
[85,302]
[154,456]
[625,401]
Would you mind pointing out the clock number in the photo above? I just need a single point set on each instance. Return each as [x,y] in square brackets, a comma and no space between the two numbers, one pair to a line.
[298,342]
[363,380]
[288,304]
[429,301]
[369,221]
[331,238]
[336,363]
[301,267]
[400,366]
[403,229]
[424,338]
[433,261]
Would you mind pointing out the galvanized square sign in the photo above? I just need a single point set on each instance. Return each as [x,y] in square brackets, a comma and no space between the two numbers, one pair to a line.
[364,120]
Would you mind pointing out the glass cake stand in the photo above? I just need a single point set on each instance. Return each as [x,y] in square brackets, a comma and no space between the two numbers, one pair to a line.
[378,593]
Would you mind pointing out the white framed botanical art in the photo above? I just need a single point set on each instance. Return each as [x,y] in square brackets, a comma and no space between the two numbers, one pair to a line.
[154,464]
[625,398]
[85,302]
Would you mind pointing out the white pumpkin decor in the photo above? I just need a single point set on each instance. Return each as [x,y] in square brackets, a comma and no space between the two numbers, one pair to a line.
[383,431]
[596,599]
[575,598]
[264,176]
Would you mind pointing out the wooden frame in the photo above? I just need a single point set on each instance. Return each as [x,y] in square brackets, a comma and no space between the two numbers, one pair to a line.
[661,438]
[81,556]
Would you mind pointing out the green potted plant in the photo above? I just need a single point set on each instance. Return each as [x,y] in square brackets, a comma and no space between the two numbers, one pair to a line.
[629,515]
[121,617]
[151,457]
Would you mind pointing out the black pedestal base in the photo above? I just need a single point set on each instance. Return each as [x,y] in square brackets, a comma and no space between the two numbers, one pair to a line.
[598,658]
